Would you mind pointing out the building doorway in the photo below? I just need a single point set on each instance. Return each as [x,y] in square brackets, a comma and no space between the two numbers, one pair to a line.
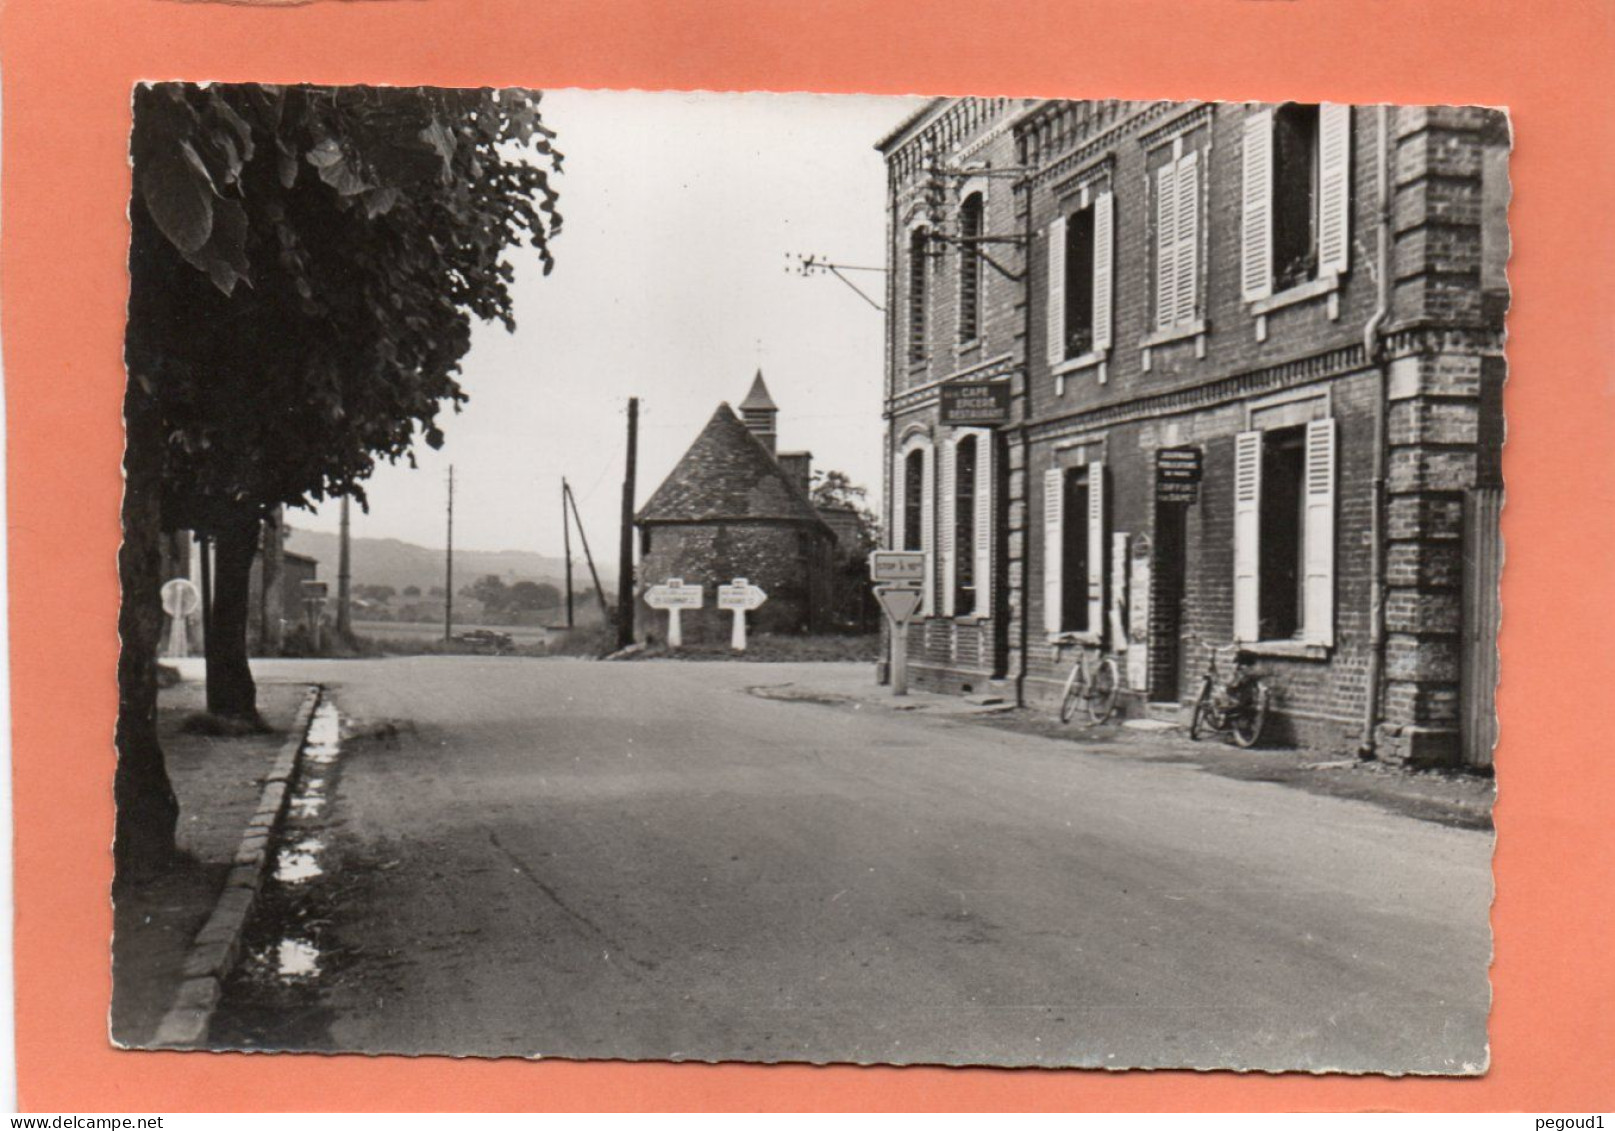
[1171,568]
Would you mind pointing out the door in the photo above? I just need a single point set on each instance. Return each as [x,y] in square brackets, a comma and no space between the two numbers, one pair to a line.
[1169,588]
[1482,613]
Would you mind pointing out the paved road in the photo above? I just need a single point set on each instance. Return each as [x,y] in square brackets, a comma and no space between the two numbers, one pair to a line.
[645,861]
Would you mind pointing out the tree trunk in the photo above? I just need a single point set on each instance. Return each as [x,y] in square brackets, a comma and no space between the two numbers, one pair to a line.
[147,811]
[230,689]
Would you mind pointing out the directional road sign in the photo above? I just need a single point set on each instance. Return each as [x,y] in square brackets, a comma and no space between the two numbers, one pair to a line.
[740,595]
[674,594]
[897,567]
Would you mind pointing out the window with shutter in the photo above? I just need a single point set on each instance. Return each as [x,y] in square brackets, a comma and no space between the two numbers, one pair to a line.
[1053,551]
[928,529]
[1334,188]
[970,267]
[1318,616]
[1188,237]
[1256,227]
[1056,288]
[946,544]
[914,519]
[1166,245]
[917,297]
[1103,253]
[1096,547]
[984,524]
[1247,533]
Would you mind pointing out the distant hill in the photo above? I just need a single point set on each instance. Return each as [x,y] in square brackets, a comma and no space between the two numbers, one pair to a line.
[387,561]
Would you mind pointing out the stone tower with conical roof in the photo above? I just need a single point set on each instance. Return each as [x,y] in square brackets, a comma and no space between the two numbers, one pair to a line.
[759,412]
[734,507]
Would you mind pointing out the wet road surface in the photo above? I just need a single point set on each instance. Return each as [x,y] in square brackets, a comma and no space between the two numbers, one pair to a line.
[561,858]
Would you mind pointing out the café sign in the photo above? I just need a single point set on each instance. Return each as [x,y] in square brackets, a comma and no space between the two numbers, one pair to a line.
[1177,475]
[976,404]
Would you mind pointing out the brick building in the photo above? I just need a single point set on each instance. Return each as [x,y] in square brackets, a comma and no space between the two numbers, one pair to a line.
[1301,304]
[732,507]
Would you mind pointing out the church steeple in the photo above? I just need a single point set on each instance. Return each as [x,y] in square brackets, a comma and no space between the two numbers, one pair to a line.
[759,412]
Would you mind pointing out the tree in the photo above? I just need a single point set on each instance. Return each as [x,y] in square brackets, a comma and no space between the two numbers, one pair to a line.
[490,589]
[412,590]
[381,593]
[305,263]
[530,596]
[833,490]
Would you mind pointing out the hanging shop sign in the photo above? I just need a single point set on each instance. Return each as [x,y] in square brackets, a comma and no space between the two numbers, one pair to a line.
[1177,475]
[977,404]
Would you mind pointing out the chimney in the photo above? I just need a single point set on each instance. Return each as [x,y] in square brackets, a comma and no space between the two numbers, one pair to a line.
[759,411]
[798,467]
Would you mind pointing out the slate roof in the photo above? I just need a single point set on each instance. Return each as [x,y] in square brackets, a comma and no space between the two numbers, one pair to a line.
[728,474]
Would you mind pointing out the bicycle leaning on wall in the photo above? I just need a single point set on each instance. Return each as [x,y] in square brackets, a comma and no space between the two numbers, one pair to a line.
[1094,683]
[1232,700]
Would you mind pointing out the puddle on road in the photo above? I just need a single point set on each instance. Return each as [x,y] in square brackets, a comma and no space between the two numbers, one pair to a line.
[273,998]
[299,862]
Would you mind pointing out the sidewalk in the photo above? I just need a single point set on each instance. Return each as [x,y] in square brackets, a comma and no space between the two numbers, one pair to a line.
[218,780]
[1443,796]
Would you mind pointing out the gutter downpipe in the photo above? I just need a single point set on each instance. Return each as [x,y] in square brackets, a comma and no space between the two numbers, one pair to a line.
[1373,350]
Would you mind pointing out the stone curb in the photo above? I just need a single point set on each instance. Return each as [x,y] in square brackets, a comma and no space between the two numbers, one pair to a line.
[217,945]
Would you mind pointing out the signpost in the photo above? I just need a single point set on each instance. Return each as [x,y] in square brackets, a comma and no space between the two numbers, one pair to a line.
[739,597]
[976,404]
[180,602]
[1177,475]
[897,567]
[674,596]
[314,594]
[900,602]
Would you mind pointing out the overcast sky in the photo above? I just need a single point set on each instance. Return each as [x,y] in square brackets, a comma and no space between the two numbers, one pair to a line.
[670,284]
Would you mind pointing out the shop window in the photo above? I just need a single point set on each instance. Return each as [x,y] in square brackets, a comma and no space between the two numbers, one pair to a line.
[917,255]
[971,216]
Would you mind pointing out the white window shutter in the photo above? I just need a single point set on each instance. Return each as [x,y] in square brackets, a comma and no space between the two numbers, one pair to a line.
[928,529]
[950,553]
[1334,188]
[1318,613]
[1056,290]
[1247,534]
[984,523]
[899,499]
[1096,548]
[1256,234]
[1188,249]
[1166,243]
[1104,210]
[1053,548]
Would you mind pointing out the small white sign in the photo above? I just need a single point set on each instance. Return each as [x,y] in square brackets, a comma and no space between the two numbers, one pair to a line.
[897,567]
[740,595]
[674,594]
[899,601]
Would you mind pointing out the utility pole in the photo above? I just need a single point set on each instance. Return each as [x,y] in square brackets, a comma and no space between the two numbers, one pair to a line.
[583,536]
[566,541]
[625,548]
[448,569]
[344,594]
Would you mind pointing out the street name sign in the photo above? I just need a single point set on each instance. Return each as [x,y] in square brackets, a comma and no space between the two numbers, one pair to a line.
[976,403]
[897,567]
[674,596]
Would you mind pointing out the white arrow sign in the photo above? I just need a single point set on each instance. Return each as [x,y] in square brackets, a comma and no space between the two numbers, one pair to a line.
[738,597]
[673,595]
